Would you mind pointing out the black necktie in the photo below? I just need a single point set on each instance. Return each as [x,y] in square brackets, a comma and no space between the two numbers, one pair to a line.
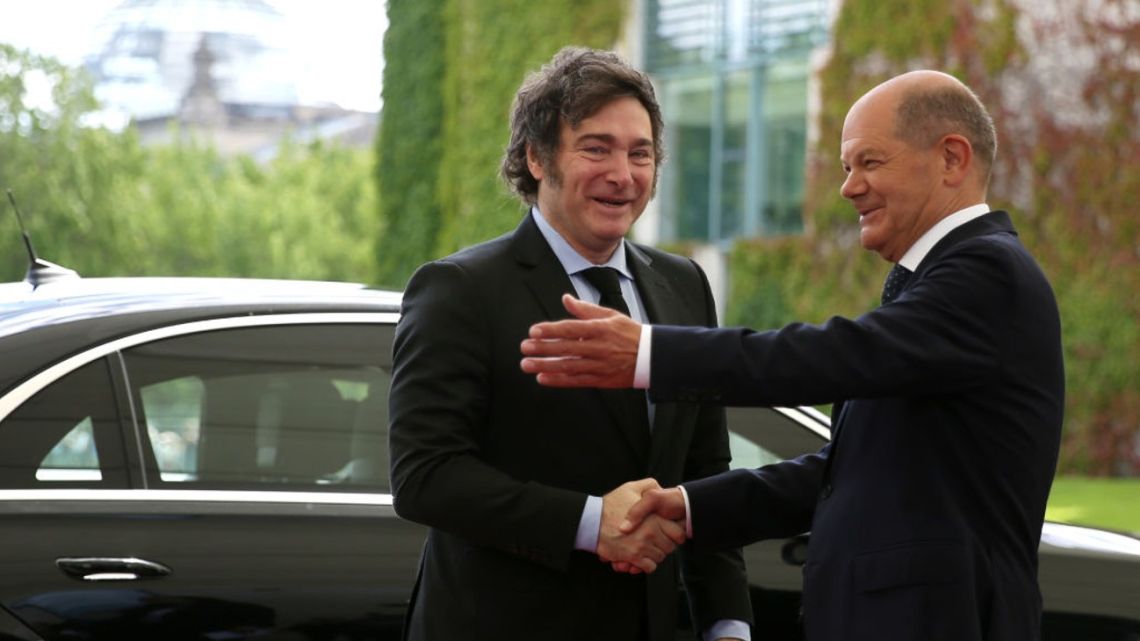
[605,280]
[896,281]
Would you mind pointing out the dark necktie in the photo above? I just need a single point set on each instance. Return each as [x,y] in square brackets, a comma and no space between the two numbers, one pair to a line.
[896,281]
[605,280]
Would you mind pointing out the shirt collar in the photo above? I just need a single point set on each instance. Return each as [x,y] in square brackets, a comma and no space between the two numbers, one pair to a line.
[913,256]
[571,260]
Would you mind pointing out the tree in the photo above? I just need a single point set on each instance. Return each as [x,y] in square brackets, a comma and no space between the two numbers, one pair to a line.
[99,202]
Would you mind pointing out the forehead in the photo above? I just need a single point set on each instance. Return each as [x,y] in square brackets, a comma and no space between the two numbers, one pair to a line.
[623,117]
[869,127]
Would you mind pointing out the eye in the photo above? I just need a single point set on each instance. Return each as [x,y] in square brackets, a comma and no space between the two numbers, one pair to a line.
[641,156]
[595,150]
[871,163]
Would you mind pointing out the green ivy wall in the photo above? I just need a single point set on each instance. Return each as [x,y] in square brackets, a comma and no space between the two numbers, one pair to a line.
[1071,188]
[452,69]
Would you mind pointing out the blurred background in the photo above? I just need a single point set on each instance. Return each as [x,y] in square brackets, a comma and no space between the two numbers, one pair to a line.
[355,139]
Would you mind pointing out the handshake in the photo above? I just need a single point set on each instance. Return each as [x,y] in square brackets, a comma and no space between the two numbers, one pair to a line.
[641,525]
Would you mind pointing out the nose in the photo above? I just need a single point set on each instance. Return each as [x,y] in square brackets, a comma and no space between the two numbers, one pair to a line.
[853,185]
[620,172]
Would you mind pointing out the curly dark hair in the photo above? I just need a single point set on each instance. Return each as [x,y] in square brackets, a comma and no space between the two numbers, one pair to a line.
[573,86]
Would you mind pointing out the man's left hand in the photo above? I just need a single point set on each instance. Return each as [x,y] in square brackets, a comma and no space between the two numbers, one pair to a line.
[600,350]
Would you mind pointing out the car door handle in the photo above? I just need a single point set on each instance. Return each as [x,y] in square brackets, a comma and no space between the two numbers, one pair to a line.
[99,568]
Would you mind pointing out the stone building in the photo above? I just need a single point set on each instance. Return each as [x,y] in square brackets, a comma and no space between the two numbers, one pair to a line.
[222,71]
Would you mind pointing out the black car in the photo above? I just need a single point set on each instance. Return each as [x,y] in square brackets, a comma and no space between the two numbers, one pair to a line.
[206,459]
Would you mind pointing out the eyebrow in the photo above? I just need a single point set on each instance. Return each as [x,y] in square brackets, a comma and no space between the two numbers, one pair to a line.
[862,153]
[610,139]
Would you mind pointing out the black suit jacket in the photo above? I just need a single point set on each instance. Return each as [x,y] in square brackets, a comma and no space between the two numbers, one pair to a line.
[926,508]
[500,468]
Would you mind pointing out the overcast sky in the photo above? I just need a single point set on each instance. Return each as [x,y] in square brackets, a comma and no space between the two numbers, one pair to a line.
[341,51]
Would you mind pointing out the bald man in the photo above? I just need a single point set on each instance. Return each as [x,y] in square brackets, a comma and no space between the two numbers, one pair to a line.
[925,510]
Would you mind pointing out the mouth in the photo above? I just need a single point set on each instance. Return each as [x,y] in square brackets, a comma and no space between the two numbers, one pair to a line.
[865,213]
[612,203]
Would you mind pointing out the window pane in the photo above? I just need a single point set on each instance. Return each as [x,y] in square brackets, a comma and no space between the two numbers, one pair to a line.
[173,415]
[296,407]
[66,435]
[759,436]
[682,32]
[73,458]
[785,109]
[734,162]
[748,455]
[689,119]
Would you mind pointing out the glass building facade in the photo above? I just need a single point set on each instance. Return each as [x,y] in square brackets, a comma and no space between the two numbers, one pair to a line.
[732,77]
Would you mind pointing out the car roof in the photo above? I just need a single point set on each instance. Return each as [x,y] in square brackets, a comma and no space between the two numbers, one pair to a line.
[23,306]
[41,325]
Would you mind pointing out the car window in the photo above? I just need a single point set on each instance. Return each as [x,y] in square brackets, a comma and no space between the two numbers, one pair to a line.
[275,407]
[759,436]
[67,435]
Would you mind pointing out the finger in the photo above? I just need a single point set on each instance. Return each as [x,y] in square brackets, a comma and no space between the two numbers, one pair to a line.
[638,511]
[667,532]
[562,349]
[621,566]
[674,530]
[629,568]
[645,565]
[663,533]
[567,329]
[571,381]
[642,485]
[582,309]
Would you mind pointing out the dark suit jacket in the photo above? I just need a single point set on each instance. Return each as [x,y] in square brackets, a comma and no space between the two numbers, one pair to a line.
[926,509]
[500,467]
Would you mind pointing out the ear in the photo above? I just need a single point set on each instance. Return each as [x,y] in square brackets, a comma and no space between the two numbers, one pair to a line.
[533,163]
[957,159]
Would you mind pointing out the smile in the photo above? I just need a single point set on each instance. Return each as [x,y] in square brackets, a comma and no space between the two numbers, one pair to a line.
[612,203]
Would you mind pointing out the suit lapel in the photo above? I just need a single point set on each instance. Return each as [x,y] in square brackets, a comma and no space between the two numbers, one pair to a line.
[545,277]
[547,281]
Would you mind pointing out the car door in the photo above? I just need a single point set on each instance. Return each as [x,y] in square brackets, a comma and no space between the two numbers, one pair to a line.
[759,436]
[255,501]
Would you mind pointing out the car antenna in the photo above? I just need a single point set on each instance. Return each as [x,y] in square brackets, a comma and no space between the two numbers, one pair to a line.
[40,271]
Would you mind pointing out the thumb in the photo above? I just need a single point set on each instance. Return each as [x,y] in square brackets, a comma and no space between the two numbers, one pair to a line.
[585,311]
[638,511]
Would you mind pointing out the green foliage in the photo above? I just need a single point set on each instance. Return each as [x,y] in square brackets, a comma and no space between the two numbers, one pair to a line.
[488,57]
[1098,502]
[1071,187]
[409,145]
[452,195]
[100,203]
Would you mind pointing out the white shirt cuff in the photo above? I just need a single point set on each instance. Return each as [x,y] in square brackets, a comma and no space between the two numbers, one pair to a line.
[688,513]
[644,347]
[728,629]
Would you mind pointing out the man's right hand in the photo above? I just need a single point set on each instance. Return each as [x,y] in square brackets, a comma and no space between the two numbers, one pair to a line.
[668,504]
[642,548]
[656,504]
